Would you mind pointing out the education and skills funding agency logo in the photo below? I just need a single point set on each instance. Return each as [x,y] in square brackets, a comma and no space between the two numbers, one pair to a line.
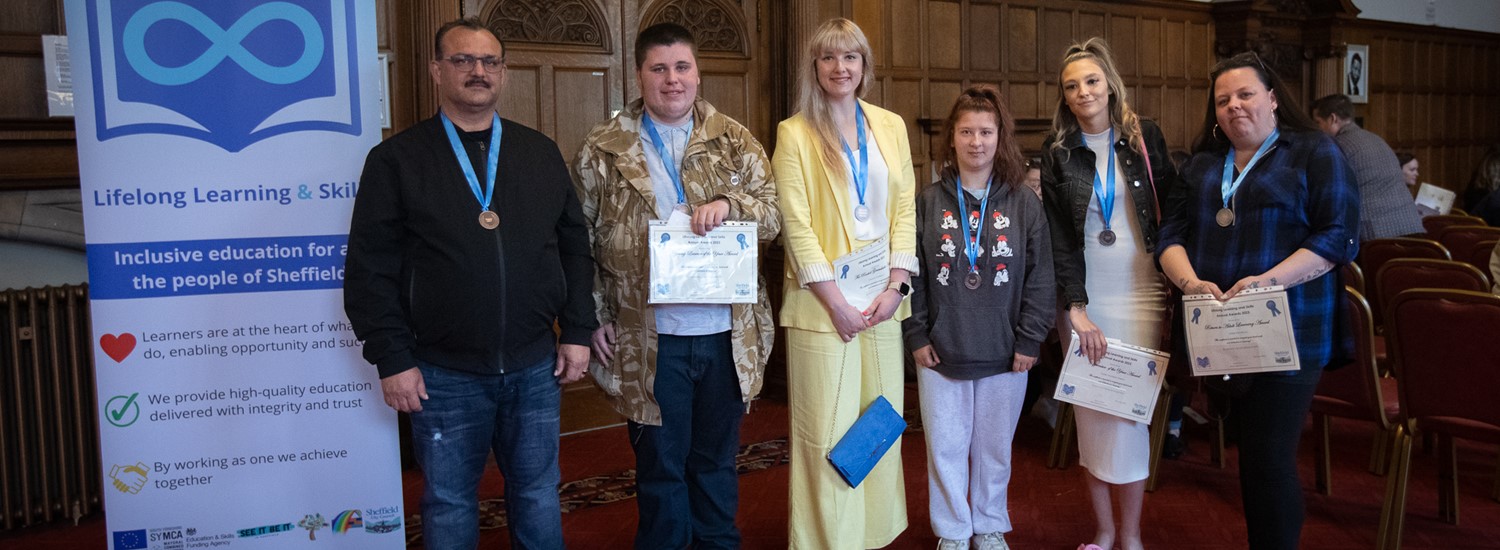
[230,73]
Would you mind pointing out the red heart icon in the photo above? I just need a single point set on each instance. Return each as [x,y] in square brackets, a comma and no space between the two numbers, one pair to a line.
[118,347]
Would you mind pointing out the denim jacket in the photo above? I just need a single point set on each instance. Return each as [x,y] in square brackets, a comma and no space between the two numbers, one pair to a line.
[1068,185]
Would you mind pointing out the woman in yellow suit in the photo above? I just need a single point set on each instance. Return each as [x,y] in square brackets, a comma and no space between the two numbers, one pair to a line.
[844,176]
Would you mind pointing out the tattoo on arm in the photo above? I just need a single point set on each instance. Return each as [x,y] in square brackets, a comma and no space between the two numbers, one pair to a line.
[1254,284]
[1274,281]
[1312,275]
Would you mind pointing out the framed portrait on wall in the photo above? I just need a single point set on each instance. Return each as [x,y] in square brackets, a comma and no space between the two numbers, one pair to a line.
[1357,73]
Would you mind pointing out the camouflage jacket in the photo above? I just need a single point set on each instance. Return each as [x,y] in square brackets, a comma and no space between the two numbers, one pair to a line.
[721,161]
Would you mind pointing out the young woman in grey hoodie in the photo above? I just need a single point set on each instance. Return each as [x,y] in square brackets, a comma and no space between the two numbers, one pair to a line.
[980,310]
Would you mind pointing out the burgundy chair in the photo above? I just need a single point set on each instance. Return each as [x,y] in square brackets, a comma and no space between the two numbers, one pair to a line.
[1353,276]
[1448,375]
[1375,253]
[1408,273]
[1480,255]
[1461,240]
[1356,391]
[1434,224]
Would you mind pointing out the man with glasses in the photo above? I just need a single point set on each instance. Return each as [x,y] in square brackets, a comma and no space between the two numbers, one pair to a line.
[466,246]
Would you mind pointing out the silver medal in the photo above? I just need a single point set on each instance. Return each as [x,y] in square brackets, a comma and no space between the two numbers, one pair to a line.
[1107,237]
[862,213]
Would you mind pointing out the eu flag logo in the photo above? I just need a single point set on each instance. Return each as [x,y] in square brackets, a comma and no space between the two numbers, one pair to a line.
[130,540]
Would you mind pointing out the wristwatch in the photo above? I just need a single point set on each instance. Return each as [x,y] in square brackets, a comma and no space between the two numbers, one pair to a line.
[901,288]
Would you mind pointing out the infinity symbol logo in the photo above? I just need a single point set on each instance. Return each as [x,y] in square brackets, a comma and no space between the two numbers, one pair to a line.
[226,43]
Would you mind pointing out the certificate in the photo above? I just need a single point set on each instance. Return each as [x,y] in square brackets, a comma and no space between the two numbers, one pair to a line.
[717,268]
[1125,383]
[1432,199]
[865,273]
[1252,332]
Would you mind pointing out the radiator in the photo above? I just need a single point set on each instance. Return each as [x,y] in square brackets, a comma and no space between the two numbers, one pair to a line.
[49,436]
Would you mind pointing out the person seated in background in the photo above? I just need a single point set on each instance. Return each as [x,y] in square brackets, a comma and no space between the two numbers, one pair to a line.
[1033,178]
[1409,169]
[1481,198]
[1386,209]
[1495,269]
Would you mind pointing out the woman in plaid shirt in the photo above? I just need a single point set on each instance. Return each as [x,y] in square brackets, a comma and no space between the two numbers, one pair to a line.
[1266,200]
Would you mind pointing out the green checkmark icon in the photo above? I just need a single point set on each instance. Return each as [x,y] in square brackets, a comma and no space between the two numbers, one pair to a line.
[116,411]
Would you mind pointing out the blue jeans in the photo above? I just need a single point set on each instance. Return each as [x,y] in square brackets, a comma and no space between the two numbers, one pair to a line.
[688,490]
[515,414]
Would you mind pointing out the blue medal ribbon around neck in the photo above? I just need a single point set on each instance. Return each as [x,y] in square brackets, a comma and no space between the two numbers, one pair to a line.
[667,161]
[862,168]
[1107,194]
[492,162]
[971,244]
[1225,185]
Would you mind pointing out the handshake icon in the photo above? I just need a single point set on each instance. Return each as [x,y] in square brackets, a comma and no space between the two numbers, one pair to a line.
[128,479]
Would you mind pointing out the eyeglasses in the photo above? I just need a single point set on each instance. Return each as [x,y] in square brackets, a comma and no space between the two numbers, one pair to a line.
[465,62]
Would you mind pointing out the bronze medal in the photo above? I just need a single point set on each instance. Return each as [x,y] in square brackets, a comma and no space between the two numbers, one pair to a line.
[1107,237]
[1225,217]
[972,280]
[489,219]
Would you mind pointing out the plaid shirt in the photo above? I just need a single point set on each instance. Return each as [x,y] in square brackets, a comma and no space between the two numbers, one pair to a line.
[1300,195]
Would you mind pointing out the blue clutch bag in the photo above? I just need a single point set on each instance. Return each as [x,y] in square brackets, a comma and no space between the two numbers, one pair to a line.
[866,441]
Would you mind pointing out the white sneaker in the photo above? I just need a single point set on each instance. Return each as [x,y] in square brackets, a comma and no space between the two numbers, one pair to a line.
[950,544]
[990,541]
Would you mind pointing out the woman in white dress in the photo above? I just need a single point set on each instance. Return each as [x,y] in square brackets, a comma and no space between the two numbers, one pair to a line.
[1103,170]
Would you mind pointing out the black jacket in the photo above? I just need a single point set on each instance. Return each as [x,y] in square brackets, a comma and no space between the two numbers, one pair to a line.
[1068,185]
[976,332]
[424,281]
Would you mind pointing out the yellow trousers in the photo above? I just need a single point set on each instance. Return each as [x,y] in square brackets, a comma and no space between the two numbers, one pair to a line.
[829,384]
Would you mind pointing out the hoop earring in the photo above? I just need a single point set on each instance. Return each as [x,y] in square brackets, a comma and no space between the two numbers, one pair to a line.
[1215,131]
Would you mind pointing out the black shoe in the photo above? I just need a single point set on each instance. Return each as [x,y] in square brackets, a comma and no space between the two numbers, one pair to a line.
[1173,447]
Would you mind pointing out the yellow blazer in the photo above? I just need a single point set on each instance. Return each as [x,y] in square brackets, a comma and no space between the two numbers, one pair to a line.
[817,212]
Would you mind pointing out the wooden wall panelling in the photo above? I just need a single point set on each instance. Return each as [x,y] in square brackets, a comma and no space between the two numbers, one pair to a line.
[983,31]
[36,151]
[419,21]
[1430,93]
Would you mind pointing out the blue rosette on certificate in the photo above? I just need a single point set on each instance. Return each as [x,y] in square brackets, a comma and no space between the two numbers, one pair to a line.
[866,441]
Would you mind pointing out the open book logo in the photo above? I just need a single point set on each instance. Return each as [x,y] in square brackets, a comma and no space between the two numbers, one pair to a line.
[230,73]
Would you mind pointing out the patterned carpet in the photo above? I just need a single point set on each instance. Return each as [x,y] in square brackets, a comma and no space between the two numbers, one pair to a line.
[606,489]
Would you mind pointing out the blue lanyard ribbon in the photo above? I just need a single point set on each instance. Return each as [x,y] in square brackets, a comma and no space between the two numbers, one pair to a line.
[1107,194]
[971,244]
[862,168]
[492,163]
[1225,185]
[667,161]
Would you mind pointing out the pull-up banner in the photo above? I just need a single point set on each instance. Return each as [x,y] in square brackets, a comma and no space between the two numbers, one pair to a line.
[219,145]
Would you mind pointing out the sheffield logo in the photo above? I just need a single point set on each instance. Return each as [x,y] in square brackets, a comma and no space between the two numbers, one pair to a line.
[230,73]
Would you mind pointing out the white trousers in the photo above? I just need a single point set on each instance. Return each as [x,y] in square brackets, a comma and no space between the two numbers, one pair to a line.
[969,425]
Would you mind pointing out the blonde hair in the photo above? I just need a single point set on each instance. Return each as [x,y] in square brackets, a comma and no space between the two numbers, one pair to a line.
[1121,116]
[837,34]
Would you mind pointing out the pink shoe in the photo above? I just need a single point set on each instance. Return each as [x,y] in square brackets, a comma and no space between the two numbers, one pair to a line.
[1089,547]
